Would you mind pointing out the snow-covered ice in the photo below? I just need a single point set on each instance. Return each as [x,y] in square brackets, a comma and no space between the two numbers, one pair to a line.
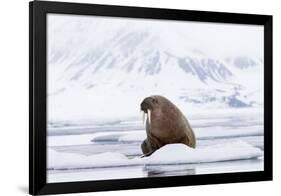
[140,135]
[169,154]
[58,160]
[180,153]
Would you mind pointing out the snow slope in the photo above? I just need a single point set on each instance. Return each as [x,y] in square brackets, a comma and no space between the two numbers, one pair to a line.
[100,67]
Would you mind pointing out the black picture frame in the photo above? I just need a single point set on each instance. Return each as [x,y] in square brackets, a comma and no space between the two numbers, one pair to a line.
[37,97]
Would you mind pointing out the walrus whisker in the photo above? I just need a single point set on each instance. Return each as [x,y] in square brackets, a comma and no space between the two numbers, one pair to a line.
[149,115]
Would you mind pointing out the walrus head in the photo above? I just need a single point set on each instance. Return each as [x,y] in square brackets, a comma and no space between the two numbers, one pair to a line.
[148,105]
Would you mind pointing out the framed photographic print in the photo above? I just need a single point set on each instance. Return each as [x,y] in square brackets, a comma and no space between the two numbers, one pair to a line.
[131,97]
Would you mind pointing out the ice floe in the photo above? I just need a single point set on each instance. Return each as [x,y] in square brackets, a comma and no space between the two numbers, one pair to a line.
[169,154]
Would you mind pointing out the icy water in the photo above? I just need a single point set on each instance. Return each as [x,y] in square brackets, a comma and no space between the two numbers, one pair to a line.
[125,137]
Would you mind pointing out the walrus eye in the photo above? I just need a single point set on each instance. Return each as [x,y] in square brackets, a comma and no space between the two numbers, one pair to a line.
[154,100]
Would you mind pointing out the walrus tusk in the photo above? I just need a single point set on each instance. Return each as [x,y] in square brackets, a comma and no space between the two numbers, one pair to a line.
[149,116]
[144,117]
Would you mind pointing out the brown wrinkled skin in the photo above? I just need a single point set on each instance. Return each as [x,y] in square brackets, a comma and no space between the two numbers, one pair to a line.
[168,125]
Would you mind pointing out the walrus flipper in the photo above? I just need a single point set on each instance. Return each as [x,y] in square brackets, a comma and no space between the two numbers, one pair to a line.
[147,154]
[145,147]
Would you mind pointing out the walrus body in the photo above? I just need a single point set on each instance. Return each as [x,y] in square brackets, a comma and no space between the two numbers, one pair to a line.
[165,125]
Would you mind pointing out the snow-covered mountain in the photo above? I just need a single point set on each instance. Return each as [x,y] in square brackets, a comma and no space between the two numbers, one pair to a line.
[109,68]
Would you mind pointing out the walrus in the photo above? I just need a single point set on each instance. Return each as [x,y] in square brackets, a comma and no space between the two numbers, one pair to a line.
[165,124]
